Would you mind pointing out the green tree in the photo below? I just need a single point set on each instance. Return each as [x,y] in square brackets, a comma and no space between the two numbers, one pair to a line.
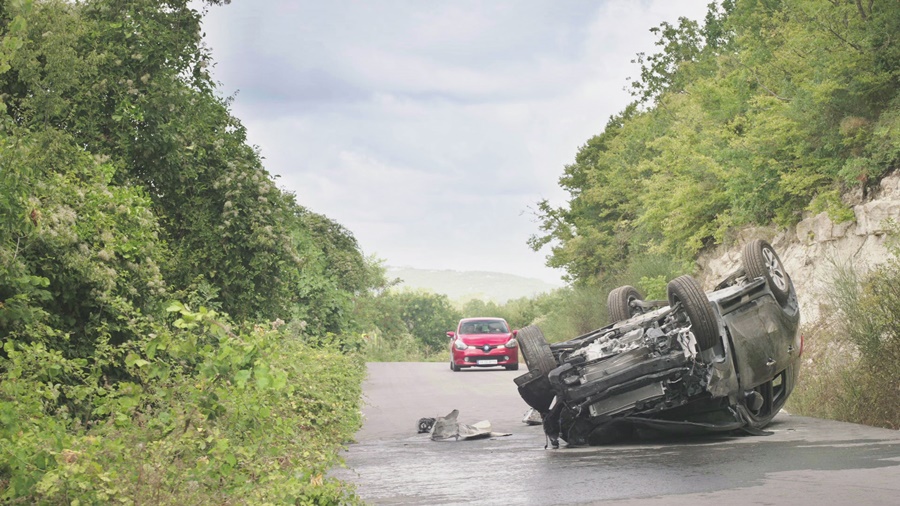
[129,82]
[425,316]
[766,111]
[126,182]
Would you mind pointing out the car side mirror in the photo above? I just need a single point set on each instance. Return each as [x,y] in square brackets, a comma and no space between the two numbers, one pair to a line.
[515,333]
[451,335]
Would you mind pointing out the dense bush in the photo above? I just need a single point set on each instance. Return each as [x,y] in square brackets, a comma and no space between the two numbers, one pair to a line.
[126,183]
[81,256]
[210,414]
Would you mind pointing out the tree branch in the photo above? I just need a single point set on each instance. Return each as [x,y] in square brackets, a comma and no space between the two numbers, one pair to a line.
[842,39]
[763,86]
[16,254]
[859,7]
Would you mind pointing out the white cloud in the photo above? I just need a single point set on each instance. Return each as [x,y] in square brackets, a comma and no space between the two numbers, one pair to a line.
[429,129]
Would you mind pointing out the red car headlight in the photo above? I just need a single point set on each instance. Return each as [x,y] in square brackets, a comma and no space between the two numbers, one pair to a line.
[512,343]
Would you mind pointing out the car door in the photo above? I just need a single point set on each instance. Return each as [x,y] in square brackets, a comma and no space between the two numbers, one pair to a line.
[764,338]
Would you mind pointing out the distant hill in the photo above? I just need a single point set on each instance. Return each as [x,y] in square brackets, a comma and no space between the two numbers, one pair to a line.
[466,285]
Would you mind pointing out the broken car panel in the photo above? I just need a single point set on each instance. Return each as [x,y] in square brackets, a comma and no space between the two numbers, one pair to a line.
[695,363]
[448,427]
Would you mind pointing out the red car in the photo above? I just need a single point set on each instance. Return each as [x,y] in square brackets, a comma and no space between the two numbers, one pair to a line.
[483,342]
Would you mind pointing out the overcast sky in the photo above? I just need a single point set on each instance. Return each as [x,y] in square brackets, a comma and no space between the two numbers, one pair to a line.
[431,129]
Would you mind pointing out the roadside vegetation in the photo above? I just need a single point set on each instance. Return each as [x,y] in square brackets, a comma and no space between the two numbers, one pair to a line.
[175,328]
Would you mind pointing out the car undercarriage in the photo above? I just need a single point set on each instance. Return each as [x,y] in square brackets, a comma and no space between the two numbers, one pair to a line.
[697,362]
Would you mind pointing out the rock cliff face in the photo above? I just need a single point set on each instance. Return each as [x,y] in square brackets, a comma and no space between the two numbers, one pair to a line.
[813,248]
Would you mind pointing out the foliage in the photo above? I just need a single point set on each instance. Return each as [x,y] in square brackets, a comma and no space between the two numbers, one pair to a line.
[518,313]
[764,111]
[82,257]
[125,183]
[128,82]
[523,311]
[424,316]
[211,414]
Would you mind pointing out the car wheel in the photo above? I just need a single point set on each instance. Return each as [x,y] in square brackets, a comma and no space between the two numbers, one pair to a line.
[539,359]
[760,260]
[687,291]
[536,350]
[618,303]
[513,367]
[453,366]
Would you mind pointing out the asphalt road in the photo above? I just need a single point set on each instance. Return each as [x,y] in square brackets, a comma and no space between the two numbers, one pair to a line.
[805,461]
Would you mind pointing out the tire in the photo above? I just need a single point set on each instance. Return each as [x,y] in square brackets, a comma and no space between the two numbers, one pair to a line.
[687,291]
[618,303]
[538,393]
[536,350]
[514,367]
[453,366]
[760,260]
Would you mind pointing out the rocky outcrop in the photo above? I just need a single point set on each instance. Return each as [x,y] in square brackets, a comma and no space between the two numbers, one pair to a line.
[813,249]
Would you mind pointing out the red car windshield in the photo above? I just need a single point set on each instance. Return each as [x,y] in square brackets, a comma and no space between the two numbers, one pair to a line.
[483,327]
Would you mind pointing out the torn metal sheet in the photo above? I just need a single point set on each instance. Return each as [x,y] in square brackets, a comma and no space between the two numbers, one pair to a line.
[532,417]
[448,427]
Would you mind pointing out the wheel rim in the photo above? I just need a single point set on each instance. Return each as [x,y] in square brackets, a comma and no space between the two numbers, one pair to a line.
[776,271]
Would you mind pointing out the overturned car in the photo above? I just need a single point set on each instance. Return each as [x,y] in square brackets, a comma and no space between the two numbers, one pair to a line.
[699,362]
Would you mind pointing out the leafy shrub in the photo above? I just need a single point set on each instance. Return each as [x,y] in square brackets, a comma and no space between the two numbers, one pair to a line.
[125,180]
[651,274]
[213,415]
[86,259]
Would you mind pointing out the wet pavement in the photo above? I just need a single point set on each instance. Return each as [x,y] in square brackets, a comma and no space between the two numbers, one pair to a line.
[804,461]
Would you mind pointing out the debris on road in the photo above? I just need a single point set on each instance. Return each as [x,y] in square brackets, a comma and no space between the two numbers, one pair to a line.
[447,427]
[532,417]
[425,425]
